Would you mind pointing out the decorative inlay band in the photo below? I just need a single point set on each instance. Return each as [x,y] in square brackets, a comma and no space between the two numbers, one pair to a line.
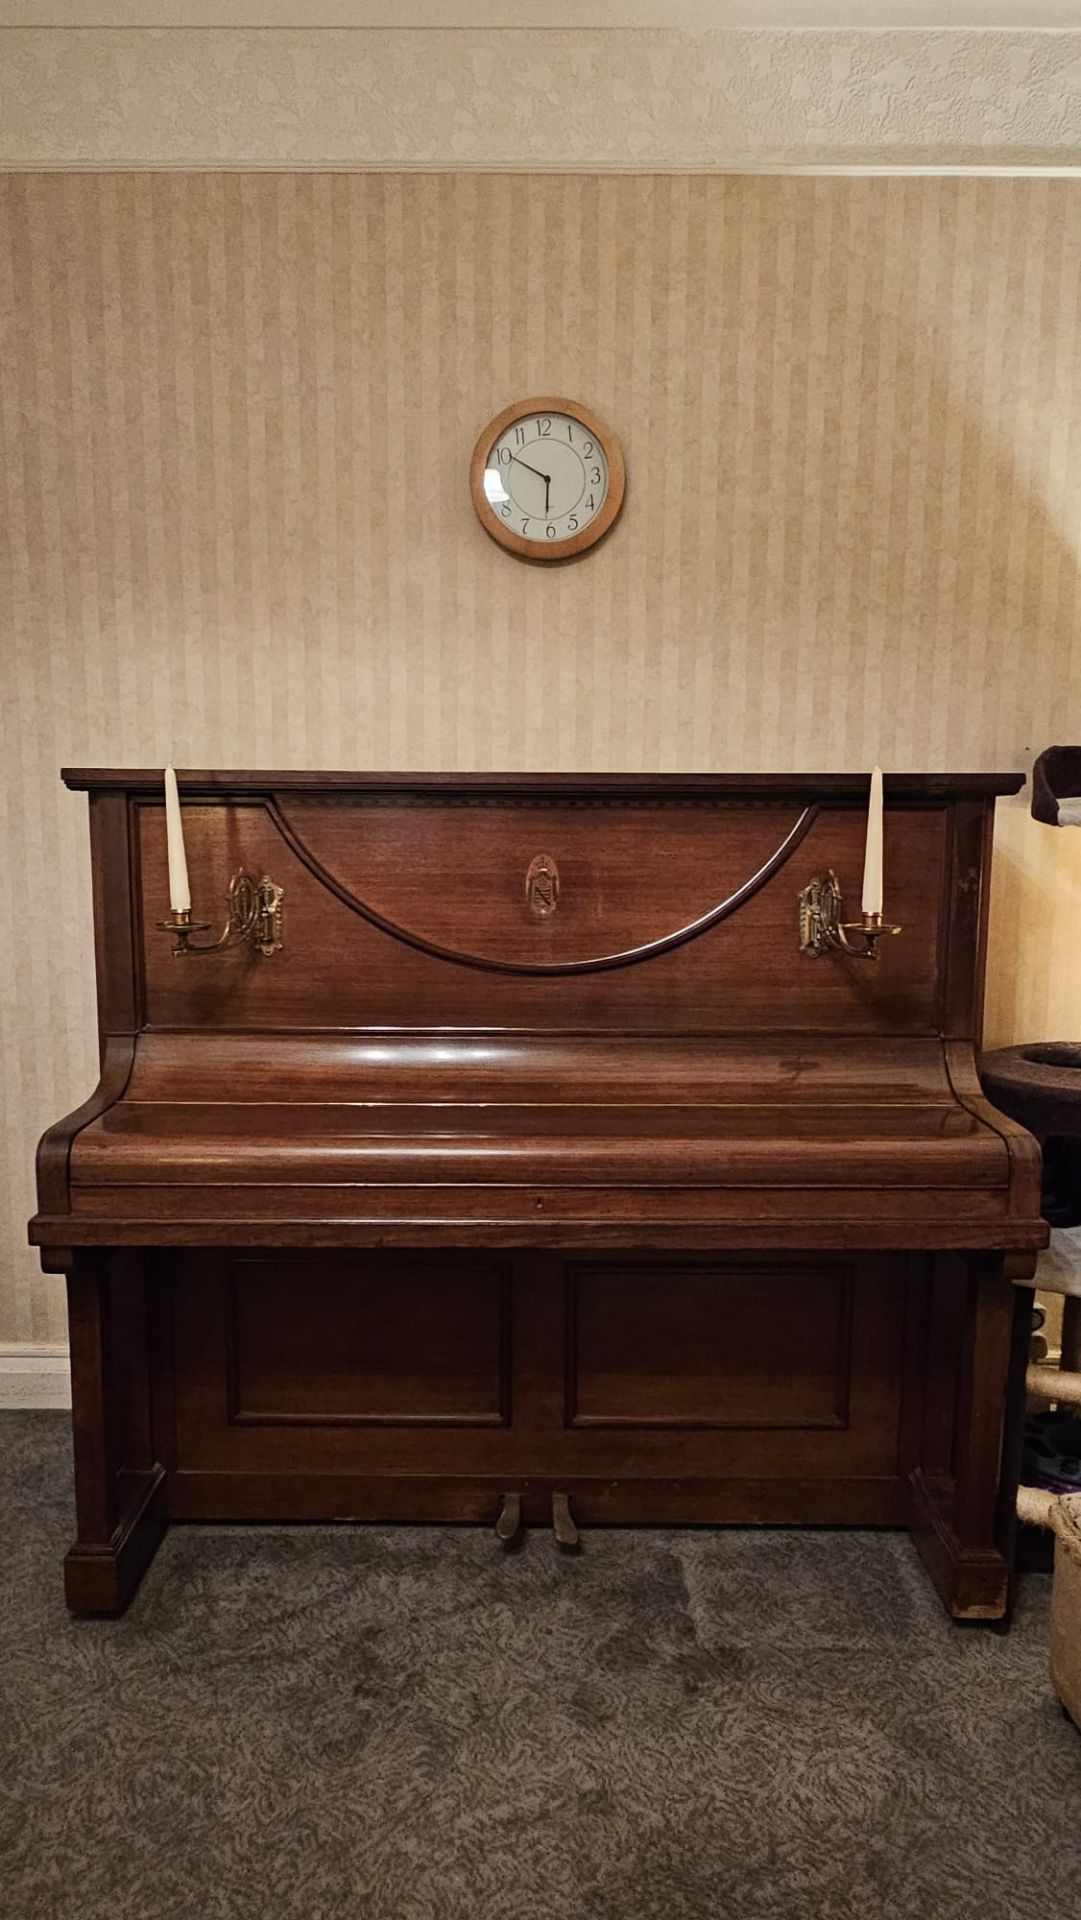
[628,957]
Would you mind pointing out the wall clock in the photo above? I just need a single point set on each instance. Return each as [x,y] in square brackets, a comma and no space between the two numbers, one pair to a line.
[547,479]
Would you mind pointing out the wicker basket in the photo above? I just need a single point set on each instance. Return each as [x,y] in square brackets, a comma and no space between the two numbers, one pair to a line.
[1066,1605]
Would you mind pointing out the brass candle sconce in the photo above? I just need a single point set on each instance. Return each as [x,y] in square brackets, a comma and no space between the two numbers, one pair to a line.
[822,929]
[255,918]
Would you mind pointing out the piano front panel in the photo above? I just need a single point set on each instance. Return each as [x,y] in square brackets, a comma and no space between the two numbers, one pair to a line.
[540,1159]
[404,1343]
[452,883]
[652,1352]
[322,1381]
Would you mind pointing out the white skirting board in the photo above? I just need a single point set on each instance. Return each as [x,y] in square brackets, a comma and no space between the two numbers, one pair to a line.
[34,1377]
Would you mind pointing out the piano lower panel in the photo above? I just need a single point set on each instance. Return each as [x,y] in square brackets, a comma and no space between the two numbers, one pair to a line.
[402,1386]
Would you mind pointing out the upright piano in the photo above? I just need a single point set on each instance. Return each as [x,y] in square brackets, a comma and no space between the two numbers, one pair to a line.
[489,1148]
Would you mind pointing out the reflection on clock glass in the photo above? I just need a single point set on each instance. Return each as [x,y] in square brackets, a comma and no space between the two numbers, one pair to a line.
[546,477]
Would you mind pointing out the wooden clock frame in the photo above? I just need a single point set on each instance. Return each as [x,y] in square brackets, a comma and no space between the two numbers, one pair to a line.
[586,537]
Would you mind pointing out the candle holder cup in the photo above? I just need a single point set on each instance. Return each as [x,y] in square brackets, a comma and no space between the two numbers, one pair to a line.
[822,928]
[254,918]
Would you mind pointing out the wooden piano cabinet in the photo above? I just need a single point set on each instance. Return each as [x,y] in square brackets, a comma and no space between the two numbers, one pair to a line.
[374,1385]
[604,1189]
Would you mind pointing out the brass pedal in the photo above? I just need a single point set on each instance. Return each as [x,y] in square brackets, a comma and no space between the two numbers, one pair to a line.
[563,1525]
[509,1524]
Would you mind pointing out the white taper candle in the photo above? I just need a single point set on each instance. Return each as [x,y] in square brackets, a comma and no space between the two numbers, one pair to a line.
[179,890]
[872,859]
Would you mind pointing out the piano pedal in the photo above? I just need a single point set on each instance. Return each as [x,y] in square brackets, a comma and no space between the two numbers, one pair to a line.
[563,1525]
[509,1524]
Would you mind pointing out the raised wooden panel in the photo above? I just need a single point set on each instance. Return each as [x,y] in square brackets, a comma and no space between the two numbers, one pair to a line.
[709,1346]
[744,974]
[366,1340]
[276,1358]
[455,877]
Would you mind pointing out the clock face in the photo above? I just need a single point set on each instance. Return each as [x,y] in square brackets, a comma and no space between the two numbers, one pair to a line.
[547,479]
[547,476]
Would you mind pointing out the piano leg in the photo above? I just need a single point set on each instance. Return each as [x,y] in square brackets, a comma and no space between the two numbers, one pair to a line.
[960,1519]
[1013,1440]
[119,1486]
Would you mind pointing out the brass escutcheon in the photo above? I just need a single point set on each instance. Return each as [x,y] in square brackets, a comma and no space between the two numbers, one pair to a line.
[542,886]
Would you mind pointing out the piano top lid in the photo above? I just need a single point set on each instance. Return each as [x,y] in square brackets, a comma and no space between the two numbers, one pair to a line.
[913,787]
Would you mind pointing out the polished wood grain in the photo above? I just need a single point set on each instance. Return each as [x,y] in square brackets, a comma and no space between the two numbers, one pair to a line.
[688,1370]
[391,1340]
[630,1201]
[662,883]
[663,869]
[708,1346]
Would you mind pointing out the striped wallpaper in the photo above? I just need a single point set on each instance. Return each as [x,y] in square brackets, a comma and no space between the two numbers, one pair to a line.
[236,413]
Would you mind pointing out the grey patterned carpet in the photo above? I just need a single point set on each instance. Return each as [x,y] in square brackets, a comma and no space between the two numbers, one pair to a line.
[393,1724]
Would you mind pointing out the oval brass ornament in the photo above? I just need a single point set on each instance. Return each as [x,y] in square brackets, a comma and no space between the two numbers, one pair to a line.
[547,479]
[542,886]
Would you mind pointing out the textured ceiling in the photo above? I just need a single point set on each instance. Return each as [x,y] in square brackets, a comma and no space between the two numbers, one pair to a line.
[820,15]
[557,100]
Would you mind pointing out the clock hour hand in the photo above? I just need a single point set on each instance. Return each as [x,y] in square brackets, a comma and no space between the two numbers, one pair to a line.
[546,477]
